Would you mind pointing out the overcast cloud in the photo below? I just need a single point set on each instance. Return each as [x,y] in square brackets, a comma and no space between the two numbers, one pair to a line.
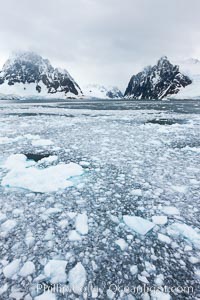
[101,41]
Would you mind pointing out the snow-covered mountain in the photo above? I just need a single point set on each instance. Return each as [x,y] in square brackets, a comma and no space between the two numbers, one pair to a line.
[101,92]
[157,82]
[191,68]
[27,74]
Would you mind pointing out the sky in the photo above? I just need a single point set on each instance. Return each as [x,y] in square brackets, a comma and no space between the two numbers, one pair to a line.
[101,41]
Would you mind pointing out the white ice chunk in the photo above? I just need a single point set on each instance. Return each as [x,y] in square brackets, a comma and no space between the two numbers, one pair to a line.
[134,269]
[138,224]
[52,210]
[27,269]
[164,238]
[29,239]
[7,226]
[50,179]
[18,161]
[74,236]
[12,268]
[159,220]
[77,278]
[143,279]
[110,294]
[82,223]
[122,244]
[71,214]
[187,232]
[170,210]
[3,288]
[54,270]
[2,217]
[63,223]
[136,192]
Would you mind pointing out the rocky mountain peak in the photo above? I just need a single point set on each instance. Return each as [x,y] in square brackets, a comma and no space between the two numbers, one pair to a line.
[157,82]
[32,71]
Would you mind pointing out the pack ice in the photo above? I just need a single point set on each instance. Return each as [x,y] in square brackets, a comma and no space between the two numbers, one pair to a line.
[26,174]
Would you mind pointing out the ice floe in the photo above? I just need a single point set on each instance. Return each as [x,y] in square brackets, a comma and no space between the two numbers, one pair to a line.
[82,223]
[170,210]
[54,270]
[134,269]
[27,269]
[53,178]
[138,224]
[12,268]
[159,220]
[7,226]
[186,231]
[77,278]
[74,236]
[122,244]
[164,238]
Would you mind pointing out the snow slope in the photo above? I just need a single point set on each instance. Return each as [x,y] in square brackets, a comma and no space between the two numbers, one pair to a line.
[191,68]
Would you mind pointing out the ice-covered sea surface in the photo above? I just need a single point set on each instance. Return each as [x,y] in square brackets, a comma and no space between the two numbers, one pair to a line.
[100,200]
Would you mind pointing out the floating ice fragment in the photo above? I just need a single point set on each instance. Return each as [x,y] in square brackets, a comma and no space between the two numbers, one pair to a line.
[134,269]
[71,214]
[7,226]
[3,288]
[143,279]
[53,178]
[194,260]
[110,294]
[2,217]
[82,223]
[63,224]
[77,278]
[159,220]
[29,239]
[55,271]
[12,268]
[52,210]
[189,233]
[170,210]
[27,269]
[138,224]
[122,244]
[136,192]
[164,238]
[74,236]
